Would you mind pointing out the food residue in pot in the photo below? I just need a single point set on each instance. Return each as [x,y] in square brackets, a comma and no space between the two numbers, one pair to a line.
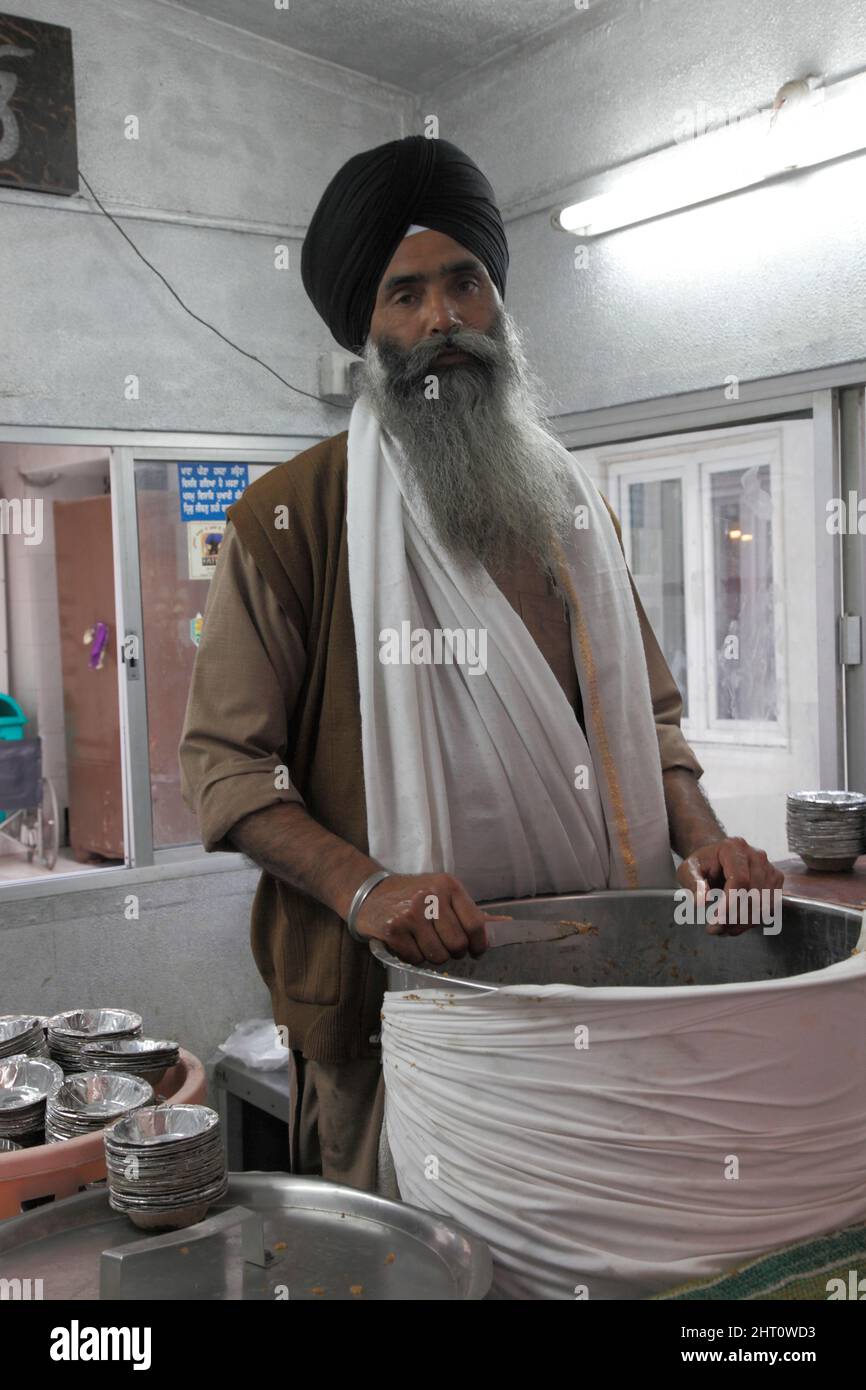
[582,928]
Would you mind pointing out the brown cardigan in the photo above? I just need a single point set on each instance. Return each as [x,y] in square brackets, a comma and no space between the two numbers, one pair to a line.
[325,987]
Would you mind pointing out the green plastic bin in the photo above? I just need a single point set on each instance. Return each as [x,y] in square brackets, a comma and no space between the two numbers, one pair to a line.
[12,721]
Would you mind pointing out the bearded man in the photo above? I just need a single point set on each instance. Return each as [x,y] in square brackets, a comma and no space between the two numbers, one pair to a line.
[425,678]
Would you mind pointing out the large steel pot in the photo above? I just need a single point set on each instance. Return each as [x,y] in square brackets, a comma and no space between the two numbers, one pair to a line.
[633,940]
[581,1124]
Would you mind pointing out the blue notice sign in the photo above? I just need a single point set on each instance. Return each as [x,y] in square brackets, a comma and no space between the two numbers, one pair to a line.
[207,489]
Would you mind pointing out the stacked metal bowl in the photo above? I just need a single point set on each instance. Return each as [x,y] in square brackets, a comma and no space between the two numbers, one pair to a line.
[148,1058]
[827,829]
[166,1164]
[27,1084]
[22,1035]
[70,1031]
[91,1100]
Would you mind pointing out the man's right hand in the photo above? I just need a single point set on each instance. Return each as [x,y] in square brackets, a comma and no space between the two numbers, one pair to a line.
[424,917]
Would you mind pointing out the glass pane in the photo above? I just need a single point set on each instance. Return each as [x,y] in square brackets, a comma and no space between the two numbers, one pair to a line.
[745,641]
[656,521]
[61,789]
[176,559]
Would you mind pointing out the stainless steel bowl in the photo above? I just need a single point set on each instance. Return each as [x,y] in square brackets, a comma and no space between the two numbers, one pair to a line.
[26,1084]
[91,1100]
[101,1093]
[827,828]
[166,1165]
[94,1023]
[25,1080]
[129,1047]
[164,1124]
[22,1033]
[68,1032]
[146,1057]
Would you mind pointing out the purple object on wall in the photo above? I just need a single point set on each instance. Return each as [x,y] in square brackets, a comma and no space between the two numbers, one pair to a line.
[97,644]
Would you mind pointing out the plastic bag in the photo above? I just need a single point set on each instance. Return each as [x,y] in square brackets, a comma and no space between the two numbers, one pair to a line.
[258,1044]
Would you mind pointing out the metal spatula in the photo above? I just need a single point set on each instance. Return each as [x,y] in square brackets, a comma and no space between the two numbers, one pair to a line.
[518,931]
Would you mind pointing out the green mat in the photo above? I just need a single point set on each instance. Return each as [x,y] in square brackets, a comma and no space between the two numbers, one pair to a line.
[801,1271]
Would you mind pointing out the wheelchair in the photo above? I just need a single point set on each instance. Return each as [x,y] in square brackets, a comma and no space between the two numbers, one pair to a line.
[28,801]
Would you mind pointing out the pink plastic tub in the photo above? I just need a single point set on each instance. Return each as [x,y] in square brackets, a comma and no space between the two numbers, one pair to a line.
[61,1170]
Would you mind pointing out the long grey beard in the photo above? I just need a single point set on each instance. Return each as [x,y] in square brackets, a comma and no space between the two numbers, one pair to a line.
[479,457]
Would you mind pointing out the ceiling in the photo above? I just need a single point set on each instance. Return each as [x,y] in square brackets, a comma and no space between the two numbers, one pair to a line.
[410,43]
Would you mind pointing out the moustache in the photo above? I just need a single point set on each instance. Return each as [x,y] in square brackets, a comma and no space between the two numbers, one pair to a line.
[409,366]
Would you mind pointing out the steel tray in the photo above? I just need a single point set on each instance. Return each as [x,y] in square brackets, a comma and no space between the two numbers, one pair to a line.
[321,1241]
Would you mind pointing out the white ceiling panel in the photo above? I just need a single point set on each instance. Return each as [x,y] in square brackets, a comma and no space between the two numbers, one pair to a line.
[413,44]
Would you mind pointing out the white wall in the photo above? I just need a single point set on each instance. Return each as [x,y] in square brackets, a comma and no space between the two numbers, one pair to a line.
[771,281]
[238,137]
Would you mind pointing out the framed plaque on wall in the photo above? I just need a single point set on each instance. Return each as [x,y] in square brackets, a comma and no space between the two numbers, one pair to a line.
[38,145]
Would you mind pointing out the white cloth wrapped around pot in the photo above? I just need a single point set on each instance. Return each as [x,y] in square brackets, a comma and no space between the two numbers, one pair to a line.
[686,1130]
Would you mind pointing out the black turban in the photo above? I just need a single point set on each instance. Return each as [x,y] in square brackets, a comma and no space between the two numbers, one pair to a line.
[368,207]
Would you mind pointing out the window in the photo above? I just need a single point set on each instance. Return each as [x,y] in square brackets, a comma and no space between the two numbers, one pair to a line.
[744,653]
[657,555]
[702,532]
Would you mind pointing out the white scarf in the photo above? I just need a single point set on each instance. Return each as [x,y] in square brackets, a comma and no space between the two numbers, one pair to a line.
[479,775]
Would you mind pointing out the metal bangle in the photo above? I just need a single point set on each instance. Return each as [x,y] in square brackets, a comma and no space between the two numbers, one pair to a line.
[359,899]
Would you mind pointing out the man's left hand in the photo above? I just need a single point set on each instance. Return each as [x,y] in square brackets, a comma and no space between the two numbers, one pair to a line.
[729,864]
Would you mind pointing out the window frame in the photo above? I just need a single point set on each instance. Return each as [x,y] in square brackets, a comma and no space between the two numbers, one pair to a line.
[759,733]
[620,478]
[658,463]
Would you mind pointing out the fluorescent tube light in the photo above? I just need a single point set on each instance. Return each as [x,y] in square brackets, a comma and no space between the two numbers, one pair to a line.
[828,124]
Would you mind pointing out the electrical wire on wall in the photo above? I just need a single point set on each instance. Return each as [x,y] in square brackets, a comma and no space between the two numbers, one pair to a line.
[252,357]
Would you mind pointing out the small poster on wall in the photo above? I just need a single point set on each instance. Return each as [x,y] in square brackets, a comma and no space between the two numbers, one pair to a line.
[38,144]
[207,490]
[203,541]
